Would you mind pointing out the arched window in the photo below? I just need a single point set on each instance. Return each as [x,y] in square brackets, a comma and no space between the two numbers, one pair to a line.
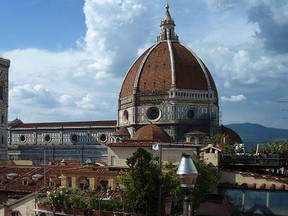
[83,183]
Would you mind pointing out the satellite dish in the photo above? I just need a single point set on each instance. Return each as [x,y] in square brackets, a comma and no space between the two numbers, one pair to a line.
[36,177]
[12,175]
[88,161]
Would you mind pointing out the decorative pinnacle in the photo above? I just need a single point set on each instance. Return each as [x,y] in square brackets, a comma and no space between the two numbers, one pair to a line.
[167,6]
[167,27]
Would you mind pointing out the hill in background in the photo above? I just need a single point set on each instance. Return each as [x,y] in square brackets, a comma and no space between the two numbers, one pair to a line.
[251,134]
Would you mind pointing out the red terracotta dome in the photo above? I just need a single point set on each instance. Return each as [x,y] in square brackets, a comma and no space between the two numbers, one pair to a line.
[167,65]
[122,131]
[151,133]
[234,136]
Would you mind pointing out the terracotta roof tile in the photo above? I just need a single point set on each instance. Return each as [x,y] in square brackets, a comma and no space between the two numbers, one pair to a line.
[156,73]
[189,72]
[258,186]
[133,143]
[151,132]
[25,173]
[93,170]
[128,83]
[121,132]
[263,186]
[152,71]
[49,173]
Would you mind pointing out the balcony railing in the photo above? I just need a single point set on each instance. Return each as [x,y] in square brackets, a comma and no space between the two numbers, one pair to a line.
[261,160]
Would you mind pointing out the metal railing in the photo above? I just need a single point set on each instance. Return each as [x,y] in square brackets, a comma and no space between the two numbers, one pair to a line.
[267,160]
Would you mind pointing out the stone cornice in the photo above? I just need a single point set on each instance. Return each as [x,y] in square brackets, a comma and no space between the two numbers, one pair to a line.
[4,62]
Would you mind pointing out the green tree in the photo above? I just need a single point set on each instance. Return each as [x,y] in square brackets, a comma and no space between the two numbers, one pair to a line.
[207,181]
[272,148]
[141,182]
[223,141]
[79,199]
[171,187]
[170,182]
[284,148]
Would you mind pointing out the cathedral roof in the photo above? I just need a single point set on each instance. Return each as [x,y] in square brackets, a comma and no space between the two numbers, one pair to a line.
[234,136]
[133,144]
[20,125]
[166,65]
[121,132]
[196,132]
[151,133]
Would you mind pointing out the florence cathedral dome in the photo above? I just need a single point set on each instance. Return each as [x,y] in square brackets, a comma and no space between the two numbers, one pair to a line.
[169,86]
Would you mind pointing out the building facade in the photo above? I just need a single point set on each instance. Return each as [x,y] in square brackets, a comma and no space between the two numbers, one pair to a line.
[4,69]
[43,142]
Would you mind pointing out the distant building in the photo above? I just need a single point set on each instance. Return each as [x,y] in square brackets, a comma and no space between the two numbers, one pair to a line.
[4,68]
[171,87]
[19,181]
[43,142]
[22,186]
[252,183]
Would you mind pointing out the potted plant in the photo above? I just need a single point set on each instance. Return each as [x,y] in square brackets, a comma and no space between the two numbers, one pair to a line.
[108,207]
[94,206]
[42,201]
[171,191]
[59,198]
[140,183]
[79,202]
[45,206]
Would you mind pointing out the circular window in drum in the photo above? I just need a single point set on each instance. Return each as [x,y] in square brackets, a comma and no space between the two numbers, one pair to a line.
[190,114]
[22,138]
[103,137]
[153,113]
[74,138]
[47,138]
[125,115]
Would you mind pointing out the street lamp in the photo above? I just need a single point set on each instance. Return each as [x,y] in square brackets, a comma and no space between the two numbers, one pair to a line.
[187,173]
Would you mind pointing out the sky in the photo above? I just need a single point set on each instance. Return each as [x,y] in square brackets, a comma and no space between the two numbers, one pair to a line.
[69,57]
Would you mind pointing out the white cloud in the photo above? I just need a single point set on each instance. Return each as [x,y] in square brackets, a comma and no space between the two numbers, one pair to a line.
[37,95]
[58,82]
[66,100]
[87,102]
[233,98]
